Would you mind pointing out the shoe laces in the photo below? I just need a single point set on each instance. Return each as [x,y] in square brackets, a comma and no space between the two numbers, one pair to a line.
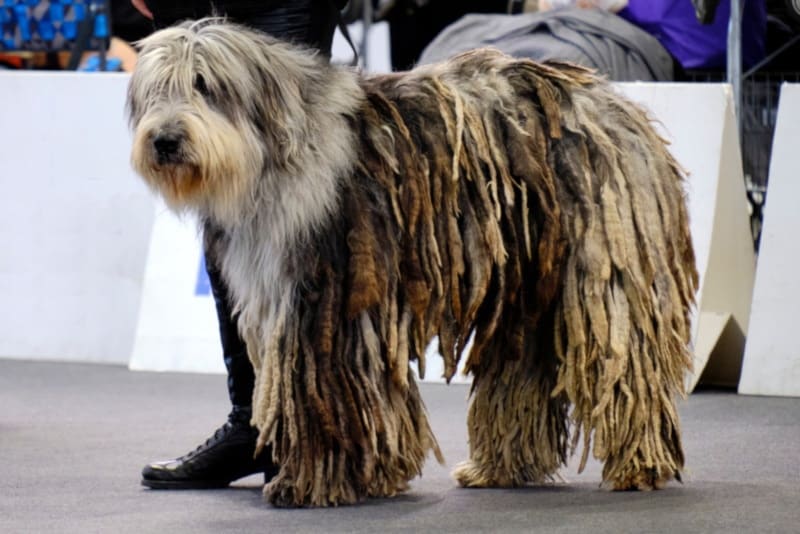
[217,436]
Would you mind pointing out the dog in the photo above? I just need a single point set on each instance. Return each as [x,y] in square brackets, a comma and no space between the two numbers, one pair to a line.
[525,206]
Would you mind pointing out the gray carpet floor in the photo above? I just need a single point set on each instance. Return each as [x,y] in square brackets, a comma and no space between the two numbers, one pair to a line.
[73,439]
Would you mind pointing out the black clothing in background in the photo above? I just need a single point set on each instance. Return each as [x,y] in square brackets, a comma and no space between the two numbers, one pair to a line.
[412,27]
[308,22]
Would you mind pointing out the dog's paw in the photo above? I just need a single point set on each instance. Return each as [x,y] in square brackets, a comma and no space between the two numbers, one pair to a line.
[280,492]
[470,475]
[645,480]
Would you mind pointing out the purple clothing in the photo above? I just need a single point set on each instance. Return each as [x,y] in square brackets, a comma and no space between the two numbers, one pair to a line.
[694,45]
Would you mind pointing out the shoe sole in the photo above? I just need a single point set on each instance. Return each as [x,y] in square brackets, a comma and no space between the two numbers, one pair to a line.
[200,484]
[184,485]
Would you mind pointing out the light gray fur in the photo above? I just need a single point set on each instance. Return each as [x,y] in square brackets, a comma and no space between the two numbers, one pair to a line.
[274,131]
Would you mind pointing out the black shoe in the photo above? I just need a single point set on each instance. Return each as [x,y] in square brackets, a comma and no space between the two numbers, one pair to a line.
[224,457]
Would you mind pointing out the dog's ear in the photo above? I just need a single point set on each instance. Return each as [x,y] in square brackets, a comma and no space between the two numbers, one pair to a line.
[131,108]
[288,81]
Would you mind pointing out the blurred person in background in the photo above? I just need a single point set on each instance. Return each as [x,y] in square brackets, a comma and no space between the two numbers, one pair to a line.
[648,40]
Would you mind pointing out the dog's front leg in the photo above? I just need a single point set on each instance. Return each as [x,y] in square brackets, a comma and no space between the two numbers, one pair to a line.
[343,426]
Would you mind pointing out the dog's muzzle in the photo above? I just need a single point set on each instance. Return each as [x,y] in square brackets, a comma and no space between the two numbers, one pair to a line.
[167,148]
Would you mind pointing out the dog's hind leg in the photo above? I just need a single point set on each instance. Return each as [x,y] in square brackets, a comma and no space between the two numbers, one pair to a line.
[623,386]
[517,429]
[635,427]
[622,324]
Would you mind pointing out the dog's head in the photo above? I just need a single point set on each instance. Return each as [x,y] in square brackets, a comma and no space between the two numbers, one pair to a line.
[215,107]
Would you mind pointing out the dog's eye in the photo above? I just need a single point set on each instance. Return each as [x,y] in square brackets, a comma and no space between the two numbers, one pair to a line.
[200,85]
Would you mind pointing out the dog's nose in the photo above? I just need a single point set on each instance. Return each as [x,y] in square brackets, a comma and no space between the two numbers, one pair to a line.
[166,145]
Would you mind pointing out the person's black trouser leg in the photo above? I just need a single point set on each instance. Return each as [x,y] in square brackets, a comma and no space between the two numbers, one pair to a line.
[228,454]
[234,351]
[308,22]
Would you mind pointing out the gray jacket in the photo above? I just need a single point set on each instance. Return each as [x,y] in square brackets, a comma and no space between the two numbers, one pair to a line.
[590,37]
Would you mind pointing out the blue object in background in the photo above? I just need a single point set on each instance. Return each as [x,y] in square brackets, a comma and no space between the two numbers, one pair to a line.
[23,22]
[93,64]
[79,12]
[46,30]
[203,286]
[52,25]
[69,29]
[101,26]
[56,12]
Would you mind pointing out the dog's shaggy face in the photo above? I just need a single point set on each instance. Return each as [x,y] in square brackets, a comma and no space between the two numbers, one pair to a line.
[192,132]
[214,113]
